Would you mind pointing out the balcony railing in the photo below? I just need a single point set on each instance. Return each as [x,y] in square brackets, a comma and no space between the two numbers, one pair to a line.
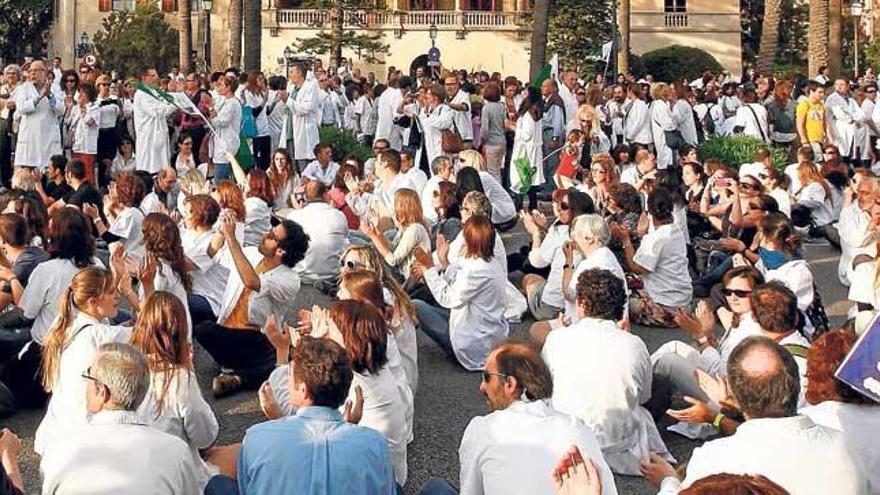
[306,19]
[697,22]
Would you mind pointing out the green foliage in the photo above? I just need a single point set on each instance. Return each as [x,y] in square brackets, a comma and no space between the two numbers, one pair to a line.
[133,41]
[344,144]
[674,62]
[23,27]
[367,45]
[577,30]
[736,150]
[791,51]
[872,53]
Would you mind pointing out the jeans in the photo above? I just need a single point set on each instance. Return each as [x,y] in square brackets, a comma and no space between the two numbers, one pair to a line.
[434,322]
[222,171]
[437,487]
[199,309]
[221,485]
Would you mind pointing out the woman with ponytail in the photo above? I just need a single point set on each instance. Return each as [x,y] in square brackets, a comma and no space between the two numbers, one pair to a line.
[174,403]
[81,327]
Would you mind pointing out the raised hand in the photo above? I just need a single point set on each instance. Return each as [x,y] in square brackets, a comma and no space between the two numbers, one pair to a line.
[278,335]
[268,404]
[714,387]
[697,412]
[352,413]
[576,476]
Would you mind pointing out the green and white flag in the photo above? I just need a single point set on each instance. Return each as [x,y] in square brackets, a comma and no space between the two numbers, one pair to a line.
[178,100]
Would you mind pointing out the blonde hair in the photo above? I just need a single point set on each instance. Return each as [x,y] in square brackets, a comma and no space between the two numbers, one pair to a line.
[472,158]
[23,180]
[408,208]
[86,284]
[194,182]
[658,91]
[588,112]
[807,173]
[373,262]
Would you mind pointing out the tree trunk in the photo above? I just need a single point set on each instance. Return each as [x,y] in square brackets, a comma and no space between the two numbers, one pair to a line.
[253,25]
[185,18]
[623,49]
[835,32]
[818,36]
[337,25]
[540,20]
[234,14]
[769,37]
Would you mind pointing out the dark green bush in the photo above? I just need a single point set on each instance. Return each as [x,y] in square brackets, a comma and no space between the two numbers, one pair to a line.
[736,150]
[344,144]
[674,62]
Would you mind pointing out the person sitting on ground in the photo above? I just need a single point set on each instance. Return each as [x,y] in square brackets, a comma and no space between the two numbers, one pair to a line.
[661,262]
[83,192]
[263,283]
[411,233]
[258,207]
[163,197]
[89,459]
[327,229]
[323,168]
[124,216]
[774,441]
[512,449]
[200,245]
[602,374]
[315,449]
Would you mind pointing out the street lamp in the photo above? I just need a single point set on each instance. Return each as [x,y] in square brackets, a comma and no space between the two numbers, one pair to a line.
[855,8]
[288,56]
[432,33]
[207,5]
[84,46]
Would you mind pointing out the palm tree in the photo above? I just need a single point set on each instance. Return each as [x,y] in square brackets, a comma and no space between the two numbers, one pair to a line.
[835,30]
[252,33]
[184,11]
[337,21]
[769,37]
[540,21]
[235,7]
[623,50]
[817,40]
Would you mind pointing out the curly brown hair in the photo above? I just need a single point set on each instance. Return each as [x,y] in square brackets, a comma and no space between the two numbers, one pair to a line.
[130,189]
[826,354]
[204,209]
[162,240]
[229,196]
[601,294]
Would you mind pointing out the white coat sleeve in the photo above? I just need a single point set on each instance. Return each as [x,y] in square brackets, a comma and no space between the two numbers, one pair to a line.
[199,421]
[469,452]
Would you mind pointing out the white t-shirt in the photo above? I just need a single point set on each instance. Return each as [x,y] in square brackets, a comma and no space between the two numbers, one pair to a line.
[209,281]
[129,226]
[602,259]
[663,253]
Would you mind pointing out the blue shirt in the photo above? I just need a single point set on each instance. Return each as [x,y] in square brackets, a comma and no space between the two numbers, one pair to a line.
[314,452]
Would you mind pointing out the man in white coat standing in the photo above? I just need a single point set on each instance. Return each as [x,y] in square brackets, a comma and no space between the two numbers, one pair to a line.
[388,104]
[39,135]
[151,127]
[846,116]
[305,114]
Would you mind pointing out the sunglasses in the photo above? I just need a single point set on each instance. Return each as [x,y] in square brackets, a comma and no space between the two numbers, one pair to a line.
[750,186]
[351,264]
[580,94]
[563,206]
[736,292]
[488,376]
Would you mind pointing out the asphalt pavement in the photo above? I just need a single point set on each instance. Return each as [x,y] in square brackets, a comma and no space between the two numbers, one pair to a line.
[448,397]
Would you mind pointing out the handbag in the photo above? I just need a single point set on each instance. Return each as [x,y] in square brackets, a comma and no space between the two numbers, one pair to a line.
[674,139]
[451,140]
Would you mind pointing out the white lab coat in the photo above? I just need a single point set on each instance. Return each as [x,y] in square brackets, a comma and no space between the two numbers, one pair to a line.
[433,123]
[84,125]
[512,450]
[846,117]
[385,127]
[305,113]
[603,376]
[637,122]
[527,142]
[571,107]
[473,290]
[151,129]
[661,121]
[463,118]
[39,135]
[855,239]
[683,116]
[752,117]
[227,122]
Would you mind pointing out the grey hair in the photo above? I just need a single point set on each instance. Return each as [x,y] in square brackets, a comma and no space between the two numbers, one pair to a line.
[123,370]
[440,161]
[15,67]
[591,226]
[478,203]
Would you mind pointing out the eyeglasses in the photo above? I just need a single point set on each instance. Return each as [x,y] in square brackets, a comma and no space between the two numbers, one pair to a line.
[763,176]
[741,293]
[88,376]
[580,93]
[351,264]
[488,376]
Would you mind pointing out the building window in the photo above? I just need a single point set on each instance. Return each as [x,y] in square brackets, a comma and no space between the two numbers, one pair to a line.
[124,4]
[674,6]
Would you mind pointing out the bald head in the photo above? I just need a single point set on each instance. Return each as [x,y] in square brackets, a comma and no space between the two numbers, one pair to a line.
[315,191]
[764,379]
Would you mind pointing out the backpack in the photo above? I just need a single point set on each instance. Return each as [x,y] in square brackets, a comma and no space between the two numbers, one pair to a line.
[698,126]
[708,123]
[248,123]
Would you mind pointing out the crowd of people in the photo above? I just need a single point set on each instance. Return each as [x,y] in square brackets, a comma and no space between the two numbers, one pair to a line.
[131,231]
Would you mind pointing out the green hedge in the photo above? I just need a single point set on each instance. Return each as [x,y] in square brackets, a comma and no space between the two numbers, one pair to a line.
[674,62]
[736,150]
[344,144]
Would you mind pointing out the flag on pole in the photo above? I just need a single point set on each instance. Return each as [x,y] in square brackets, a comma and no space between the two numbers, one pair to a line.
[178,100]
[541,77]
[606,51]
[554,67]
